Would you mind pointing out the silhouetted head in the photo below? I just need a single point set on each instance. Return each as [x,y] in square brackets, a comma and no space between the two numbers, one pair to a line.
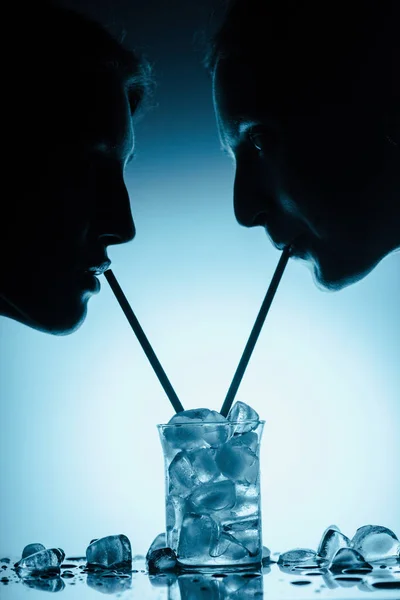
[70,95]
[307,100]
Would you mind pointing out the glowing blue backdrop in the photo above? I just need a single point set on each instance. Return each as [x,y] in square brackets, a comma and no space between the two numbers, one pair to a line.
[79,451]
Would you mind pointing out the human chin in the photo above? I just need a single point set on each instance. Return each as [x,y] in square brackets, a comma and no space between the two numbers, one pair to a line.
[55,315]
[62,307]
[333,273]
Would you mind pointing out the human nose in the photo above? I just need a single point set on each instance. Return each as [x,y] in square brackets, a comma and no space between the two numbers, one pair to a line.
[255,192]
[115,221]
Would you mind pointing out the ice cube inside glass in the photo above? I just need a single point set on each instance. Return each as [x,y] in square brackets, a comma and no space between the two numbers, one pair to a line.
[212,492]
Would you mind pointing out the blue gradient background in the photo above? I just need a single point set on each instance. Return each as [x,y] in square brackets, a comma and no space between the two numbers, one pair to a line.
[79,451]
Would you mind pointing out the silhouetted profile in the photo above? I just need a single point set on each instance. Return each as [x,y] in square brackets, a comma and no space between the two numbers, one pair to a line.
[71,93]
[307,100]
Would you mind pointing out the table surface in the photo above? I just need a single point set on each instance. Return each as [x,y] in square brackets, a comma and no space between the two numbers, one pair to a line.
[272,582]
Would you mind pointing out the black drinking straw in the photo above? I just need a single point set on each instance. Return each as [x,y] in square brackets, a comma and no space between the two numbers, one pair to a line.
[144,342]
[255,332]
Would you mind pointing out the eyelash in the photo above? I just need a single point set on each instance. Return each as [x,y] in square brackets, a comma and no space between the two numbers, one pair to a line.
[252,136]
[266,136]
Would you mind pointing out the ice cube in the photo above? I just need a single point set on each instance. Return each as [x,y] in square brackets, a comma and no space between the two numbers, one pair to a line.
[32,549]
[332,540]
[375,542]
[182,476]
[110,551]
[250,439]
[298,555]
[161,559]
[246,533]
[220,546]
[237,461]
[175,509]
[204,465]
[186,437]
[228,547]
[243,412]
[198,534]
[196,415]
[266,555]
[159,542]
[247,501]
[347,558]
[211,497]
[329,580]
[44,560]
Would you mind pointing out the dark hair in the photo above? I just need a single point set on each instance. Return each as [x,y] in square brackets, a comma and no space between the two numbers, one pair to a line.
[345,30]
[339,46]
[60,52]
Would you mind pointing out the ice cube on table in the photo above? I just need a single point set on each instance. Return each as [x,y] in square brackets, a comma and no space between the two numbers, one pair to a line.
[188,433]
[332,540]
[375,542]
[32,549]
[237,461]
[211,497]
[298,555]
[160,541]
[266,555]
[243,412]
[347,558]
[161,559]
[110,551]
[45,560]
[198,534]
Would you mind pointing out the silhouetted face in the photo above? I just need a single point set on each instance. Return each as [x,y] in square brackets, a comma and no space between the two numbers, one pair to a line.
[311,165]
[68,205]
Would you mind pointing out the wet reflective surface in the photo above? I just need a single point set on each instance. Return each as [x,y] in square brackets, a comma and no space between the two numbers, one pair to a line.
[275,581]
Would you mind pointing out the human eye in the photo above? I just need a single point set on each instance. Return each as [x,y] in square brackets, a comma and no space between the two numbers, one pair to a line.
[264,139]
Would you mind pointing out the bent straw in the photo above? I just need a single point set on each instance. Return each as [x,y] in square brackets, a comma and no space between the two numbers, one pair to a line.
[255,332]
[144,342]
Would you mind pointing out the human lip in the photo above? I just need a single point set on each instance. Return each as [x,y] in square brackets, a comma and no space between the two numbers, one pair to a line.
[297,243]
[98,269]
[89,282]
[87,275]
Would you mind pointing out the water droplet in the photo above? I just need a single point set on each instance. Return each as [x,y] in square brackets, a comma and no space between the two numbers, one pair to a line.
[360,571]
[387,585]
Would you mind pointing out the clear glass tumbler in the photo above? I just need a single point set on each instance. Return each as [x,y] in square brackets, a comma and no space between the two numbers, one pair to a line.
[212,493]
